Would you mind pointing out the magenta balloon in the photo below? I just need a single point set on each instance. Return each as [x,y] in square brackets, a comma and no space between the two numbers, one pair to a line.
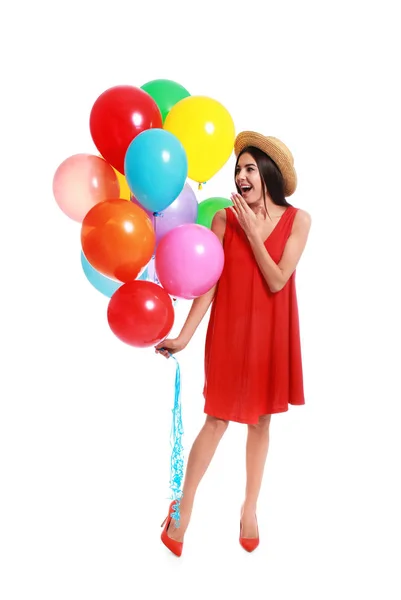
[189,261]
[183,210]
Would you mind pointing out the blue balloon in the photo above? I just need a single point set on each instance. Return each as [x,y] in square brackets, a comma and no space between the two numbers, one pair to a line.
[103,284]
[156,168]
[144,275]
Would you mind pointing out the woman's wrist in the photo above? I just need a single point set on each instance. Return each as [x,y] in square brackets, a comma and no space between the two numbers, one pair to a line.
[255,236]
[183,339]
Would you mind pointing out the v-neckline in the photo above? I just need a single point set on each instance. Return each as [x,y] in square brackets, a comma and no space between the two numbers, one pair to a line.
[276,225]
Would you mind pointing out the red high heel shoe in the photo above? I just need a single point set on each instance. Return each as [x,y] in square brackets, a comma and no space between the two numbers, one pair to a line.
[174,546]
[248,544]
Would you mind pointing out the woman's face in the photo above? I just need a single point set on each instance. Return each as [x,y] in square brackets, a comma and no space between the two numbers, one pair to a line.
[247,178]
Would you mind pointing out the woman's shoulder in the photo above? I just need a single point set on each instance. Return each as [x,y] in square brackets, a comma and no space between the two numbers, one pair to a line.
[302,216]
[302,219]
[219,223]
[221,214]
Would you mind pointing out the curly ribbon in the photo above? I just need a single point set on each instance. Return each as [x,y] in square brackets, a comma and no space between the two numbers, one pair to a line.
[177,458]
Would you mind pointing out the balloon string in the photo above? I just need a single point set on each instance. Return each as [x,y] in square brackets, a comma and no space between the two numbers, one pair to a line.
[155,278]
[177,455]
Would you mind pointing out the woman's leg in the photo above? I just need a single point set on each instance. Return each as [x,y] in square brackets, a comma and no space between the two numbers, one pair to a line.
[256,451]
[199,458]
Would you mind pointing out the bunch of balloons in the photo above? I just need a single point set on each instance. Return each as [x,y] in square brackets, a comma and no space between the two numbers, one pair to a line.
[136,208]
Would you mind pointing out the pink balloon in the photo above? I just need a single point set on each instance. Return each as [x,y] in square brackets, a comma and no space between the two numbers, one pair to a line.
[82,181]
[189,261]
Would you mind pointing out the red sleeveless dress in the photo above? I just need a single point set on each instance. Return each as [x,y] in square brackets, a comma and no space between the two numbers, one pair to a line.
[253,363]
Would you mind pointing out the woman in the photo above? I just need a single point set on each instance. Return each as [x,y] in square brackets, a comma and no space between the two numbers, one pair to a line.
[253,365]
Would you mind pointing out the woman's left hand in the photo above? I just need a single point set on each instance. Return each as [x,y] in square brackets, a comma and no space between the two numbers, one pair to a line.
[246,217]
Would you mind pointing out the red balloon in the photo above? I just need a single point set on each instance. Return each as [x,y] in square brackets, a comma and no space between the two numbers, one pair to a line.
[117,117]
[140,313]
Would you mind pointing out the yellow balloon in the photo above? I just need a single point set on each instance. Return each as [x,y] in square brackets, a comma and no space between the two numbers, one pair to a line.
[125,192]
[206,130]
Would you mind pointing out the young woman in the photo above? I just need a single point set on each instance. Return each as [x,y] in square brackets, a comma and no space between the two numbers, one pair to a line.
[253,365]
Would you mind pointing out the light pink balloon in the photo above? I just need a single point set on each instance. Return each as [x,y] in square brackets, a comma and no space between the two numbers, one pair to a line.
[81,181]
[189,261]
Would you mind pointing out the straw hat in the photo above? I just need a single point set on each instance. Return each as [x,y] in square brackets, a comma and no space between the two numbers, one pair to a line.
[276,150]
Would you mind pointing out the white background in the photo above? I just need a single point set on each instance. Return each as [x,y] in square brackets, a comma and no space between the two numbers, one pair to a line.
[85,419]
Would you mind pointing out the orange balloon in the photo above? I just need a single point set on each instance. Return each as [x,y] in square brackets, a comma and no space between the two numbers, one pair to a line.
[118,239]
[81,181]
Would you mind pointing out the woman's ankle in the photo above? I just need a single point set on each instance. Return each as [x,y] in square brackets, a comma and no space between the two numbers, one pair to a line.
[249,506]
[176,530]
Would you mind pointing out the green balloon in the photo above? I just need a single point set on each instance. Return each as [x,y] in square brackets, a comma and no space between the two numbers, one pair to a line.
[208,208]
[165,93]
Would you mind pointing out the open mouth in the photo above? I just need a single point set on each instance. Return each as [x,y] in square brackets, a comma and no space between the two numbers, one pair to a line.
[245,189]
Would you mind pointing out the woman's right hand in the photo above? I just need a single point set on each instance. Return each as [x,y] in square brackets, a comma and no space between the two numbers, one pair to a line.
[170,346]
